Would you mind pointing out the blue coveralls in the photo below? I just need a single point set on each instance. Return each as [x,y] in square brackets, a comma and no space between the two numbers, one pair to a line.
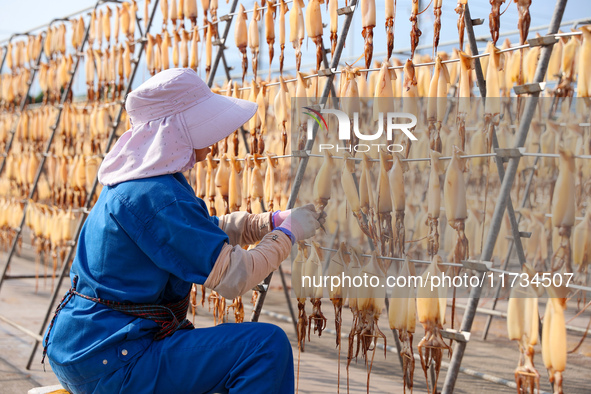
[147,241]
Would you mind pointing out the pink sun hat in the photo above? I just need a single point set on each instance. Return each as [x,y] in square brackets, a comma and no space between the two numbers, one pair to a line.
[171,115]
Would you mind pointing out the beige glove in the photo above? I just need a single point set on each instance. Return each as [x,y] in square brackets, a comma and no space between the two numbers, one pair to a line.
[302,223]
[237,270]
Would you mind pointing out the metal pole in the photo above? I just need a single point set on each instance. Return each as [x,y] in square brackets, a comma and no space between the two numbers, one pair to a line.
[304,160]
[3,57]
[220,51]
[495,144]
[530,107]
[90,196]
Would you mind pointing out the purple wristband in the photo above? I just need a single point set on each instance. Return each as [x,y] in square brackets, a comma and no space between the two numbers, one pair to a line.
[288,233]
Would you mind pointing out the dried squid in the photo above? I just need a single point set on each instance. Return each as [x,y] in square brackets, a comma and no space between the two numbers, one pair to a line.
[431,305]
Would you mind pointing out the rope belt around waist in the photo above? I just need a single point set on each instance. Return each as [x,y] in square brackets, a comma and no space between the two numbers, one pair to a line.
[169,317]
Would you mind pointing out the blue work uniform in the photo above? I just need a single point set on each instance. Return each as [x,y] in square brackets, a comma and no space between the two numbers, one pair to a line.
[145,242]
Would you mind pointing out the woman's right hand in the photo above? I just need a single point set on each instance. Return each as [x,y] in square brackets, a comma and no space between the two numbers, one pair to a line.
[302,223]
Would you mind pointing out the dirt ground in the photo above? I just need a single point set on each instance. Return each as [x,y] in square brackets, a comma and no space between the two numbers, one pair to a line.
[318,365]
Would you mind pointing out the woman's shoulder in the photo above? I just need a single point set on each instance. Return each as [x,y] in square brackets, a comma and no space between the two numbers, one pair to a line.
[145,197]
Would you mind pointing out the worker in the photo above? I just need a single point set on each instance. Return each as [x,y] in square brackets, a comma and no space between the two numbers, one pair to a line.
[122,326]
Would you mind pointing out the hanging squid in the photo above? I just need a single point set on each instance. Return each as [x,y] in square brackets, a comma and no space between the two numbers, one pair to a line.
[523,326]
[314,27]
[241,37]
[323,182]
[312,269]
[368,21]
[253,38]
[492,106]
[270,30]
[434,203]
[402,314]
[282,11]
[415,33]
[563,210]
[333,6]
[297,30]
[494,21]
[464,93]
[431,305]
[396,178]
[337,266]
[281,110]
[436,24]
[461,11]
[390,16]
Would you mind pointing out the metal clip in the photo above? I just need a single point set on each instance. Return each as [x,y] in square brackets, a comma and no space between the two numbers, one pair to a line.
[219,42]
[261,288]
[542,41]
[529,88]
[325,72]
[477,22]
[346,10]
[299,153]
[456,335]
[508,153]
[226,17]
[525,234]
[481,266]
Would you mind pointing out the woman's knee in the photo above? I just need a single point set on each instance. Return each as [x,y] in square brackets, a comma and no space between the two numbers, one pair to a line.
[273,333]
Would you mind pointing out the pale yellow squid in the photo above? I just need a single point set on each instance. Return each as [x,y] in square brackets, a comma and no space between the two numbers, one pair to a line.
[314,27]
[253,38]
[270,30]
[464,94]
[402,316]
[434,203]
[282,11]
[241,37]
[554,338]
[563,210]
[297,30]
[312,268]
[523,326]
[431,306]
[280,106]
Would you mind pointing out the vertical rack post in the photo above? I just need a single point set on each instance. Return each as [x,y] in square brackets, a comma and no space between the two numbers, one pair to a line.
[503,195]
[220,52]
[299,176]
[5,49]
[87,205]
[495,142]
